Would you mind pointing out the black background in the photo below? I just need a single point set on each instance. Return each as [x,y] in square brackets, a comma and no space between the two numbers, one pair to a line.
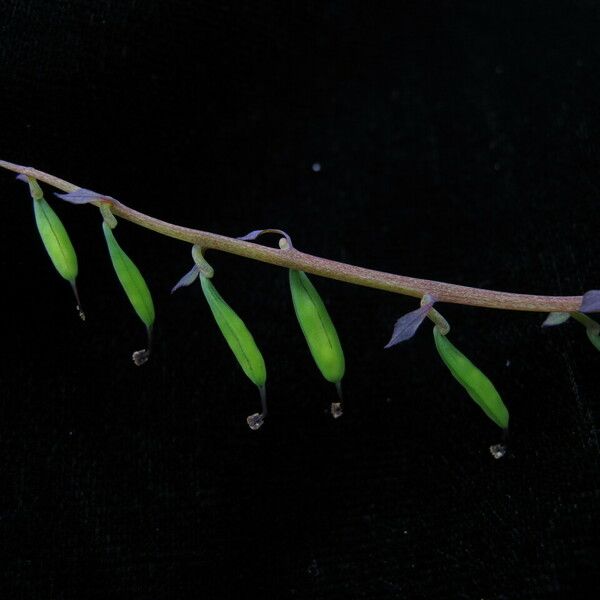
[457,141]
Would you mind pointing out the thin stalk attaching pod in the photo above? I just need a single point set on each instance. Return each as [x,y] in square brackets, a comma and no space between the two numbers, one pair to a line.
[55,238]
[319,332]
[477,385]
[242,344]
[132,282]
[204,268]
[436,318]
[201,267]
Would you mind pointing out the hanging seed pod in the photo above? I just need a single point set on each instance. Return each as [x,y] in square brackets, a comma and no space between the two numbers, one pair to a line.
[242,344]
[134,286]
[319,331]
[236,334]
[478,386]
[55,238]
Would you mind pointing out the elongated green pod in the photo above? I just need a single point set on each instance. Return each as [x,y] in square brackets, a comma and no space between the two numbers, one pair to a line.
[134,286]
[242,344]
[131,279]
[478,386]
[236,334]
[55,238]
[319,331]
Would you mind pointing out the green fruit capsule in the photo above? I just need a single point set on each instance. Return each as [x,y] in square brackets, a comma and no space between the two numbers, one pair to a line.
[134,286]
[55,238]
[478,386]
[241,342]
[319,331]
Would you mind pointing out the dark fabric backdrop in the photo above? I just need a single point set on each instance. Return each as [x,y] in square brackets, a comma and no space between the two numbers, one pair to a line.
[457,141]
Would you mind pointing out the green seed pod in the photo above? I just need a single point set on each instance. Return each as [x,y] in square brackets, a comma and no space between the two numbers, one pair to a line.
[478,386]
[55,238]
[134,286]
[241,342]
[319,331]
[236,334]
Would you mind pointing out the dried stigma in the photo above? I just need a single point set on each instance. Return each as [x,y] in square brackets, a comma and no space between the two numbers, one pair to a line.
[478,386]
[55,238]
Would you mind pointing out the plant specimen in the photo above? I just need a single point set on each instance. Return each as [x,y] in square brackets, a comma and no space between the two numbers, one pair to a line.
[313,317]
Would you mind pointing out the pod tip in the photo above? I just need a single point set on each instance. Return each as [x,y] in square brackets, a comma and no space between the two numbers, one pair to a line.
[77,300]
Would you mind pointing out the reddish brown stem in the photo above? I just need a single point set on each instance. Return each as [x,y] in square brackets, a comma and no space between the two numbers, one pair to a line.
[294,259]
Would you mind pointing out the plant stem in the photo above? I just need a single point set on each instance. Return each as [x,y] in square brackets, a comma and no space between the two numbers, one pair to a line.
[294,259]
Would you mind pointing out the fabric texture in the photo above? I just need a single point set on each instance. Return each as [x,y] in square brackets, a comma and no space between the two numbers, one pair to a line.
[455,141]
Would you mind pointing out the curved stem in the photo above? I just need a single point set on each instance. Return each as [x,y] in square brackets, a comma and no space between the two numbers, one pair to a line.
[294,259]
